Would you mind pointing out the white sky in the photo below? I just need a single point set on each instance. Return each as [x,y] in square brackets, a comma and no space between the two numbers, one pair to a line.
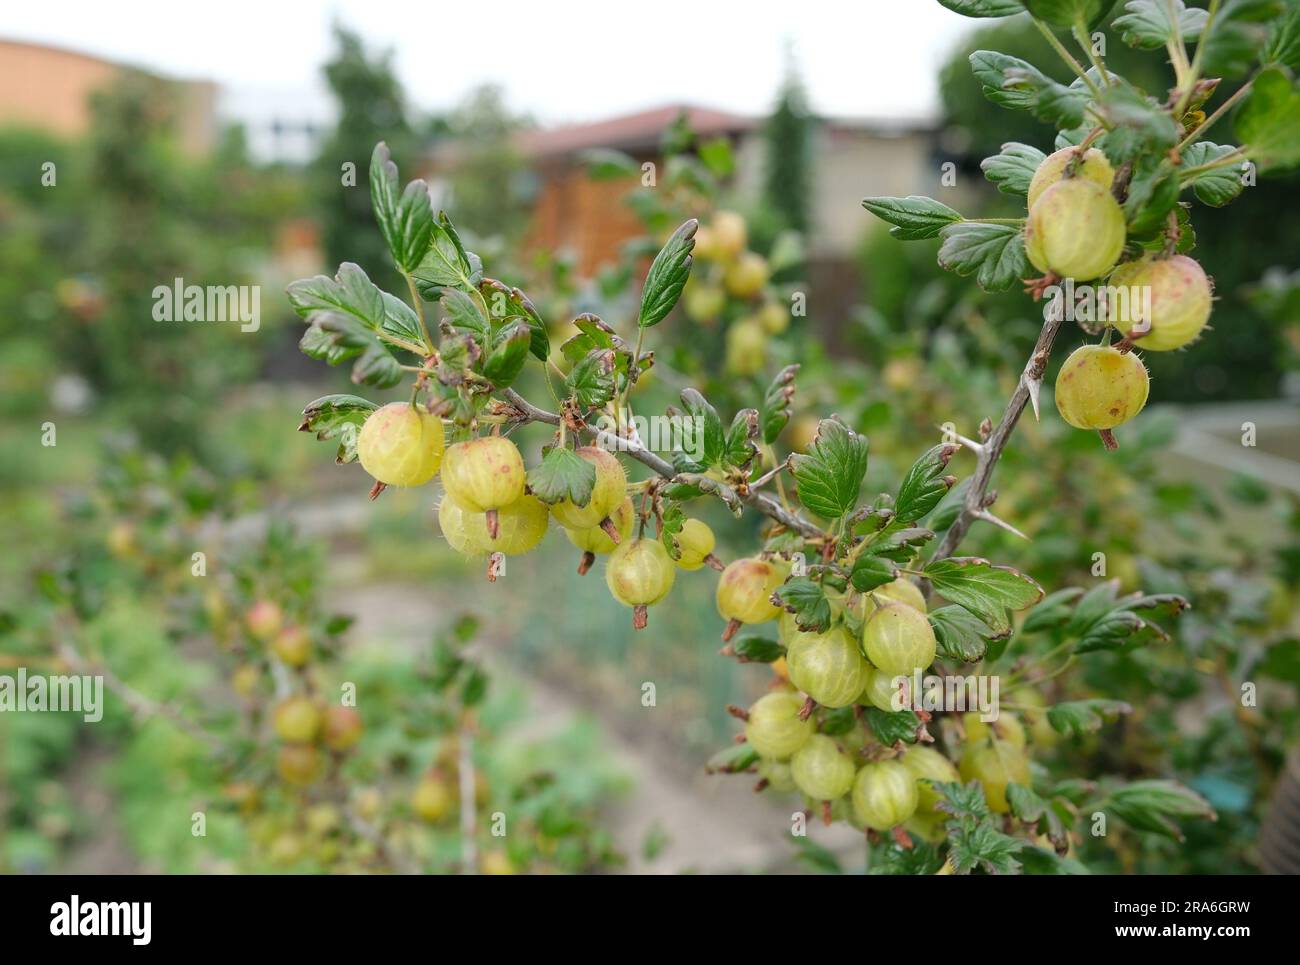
[562,60]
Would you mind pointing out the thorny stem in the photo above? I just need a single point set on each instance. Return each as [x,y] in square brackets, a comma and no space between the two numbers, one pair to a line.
[1218,113]
[1080,31]
[1194,70]
[419,309]
[976,500]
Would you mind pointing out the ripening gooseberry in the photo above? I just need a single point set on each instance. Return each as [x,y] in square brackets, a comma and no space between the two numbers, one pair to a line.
[594,539]
[342,727]
[639,574]
[821,770]
[607,494]
[264,620]
[401,444]
[703,302]
[776,773]
[774,317]
[484,474]
[1181,299]
[695,542]
[432,799]
[1093,167]
[1005,727]
[899,639]
[292,645]
[774,729]
[745,590]
[901,590]
[746,347]
[995,764]
[730,234]
[520,527]
[298,764]
[1076,230]
[884,795]
[927,764]
[297,720]
[1100,387]
[881,692]
[827,666]
[746,276]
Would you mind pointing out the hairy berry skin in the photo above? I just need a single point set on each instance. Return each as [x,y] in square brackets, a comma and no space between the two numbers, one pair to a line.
[432,800]
[401,445]
[774,729]
[827,666]
[880,691]
[744,590]
[1181,299]
[1100,387]
[298,764]
[292,645]
[821,770]
[606,495]
[899,639]
[1094,167]
[1076,230]
[342,728]
[1006,727]
[927,764]
[483,474]
[995,764]
[520,527]
[595,540]
[297,720]
[884,795]
[640,572]
[901,590]
[694,542]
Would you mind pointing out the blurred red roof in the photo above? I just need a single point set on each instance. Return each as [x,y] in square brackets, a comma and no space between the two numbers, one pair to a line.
[631,131]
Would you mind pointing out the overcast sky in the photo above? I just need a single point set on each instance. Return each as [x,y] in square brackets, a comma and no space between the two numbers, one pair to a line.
[562,60]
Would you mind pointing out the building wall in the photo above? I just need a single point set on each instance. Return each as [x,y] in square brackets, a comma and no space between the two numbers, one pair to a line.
[581,217]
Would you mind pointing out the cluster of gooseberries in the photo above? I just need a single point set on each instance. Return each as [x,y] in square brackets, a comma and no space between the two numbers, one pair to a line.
[1076,229]
[731,270]
[806,744]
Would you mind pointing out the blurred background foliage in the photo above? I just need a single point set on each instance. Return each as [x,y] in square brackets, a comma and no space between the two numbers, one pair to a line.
[164,429]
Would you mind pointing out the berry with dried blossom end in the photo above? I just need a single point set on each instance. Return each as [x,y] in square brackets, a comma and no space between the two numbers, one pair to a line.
[342,728]
[927,764]
[594,539]
[695,542]
[401,444]
[1181,298]
[521,525]
[1092,167]
[1100,387]
[898,639]
[297,720]
[744,593]
[995,764]
[884,795]
[298,764]
[484,475]
[639,574]
[607,494]
[1075,230]
[821,770]
[827,666]
[1005,727]
[774,728]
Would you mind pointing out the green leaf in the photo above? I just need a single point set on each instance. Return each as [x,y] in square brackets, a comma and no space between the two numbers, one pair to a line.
[1240,32]
[562,474]
[1025,804]
[401,320]
[1218,186]
[994,253]
[1092,606]
[506,303]
[406,222]
[1013,168]
[702,421]
[962,801]
[1018,85]
[739,449]
[890,728]
[733,760]
[1119,630]
[1153,192]
[830,474]
[985,590]
[960,634]
[1064,13]
[776,403]
[1150,806]
[983,846]
[509,353]
[1138,124]
[334,337]
[890,858]
[446,263]
[807,601]
[923,487]
[464,313]
[674,521]
[352,293]
[591,381]
[757,649]
[604,164]
[1052,611]
[718,157]
[1153,23]
[870,572]
[667,275]
[1269,121]
[913,217]
[338,417]
[899,544]
[1284,42]
[985,8]
[1075,718]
